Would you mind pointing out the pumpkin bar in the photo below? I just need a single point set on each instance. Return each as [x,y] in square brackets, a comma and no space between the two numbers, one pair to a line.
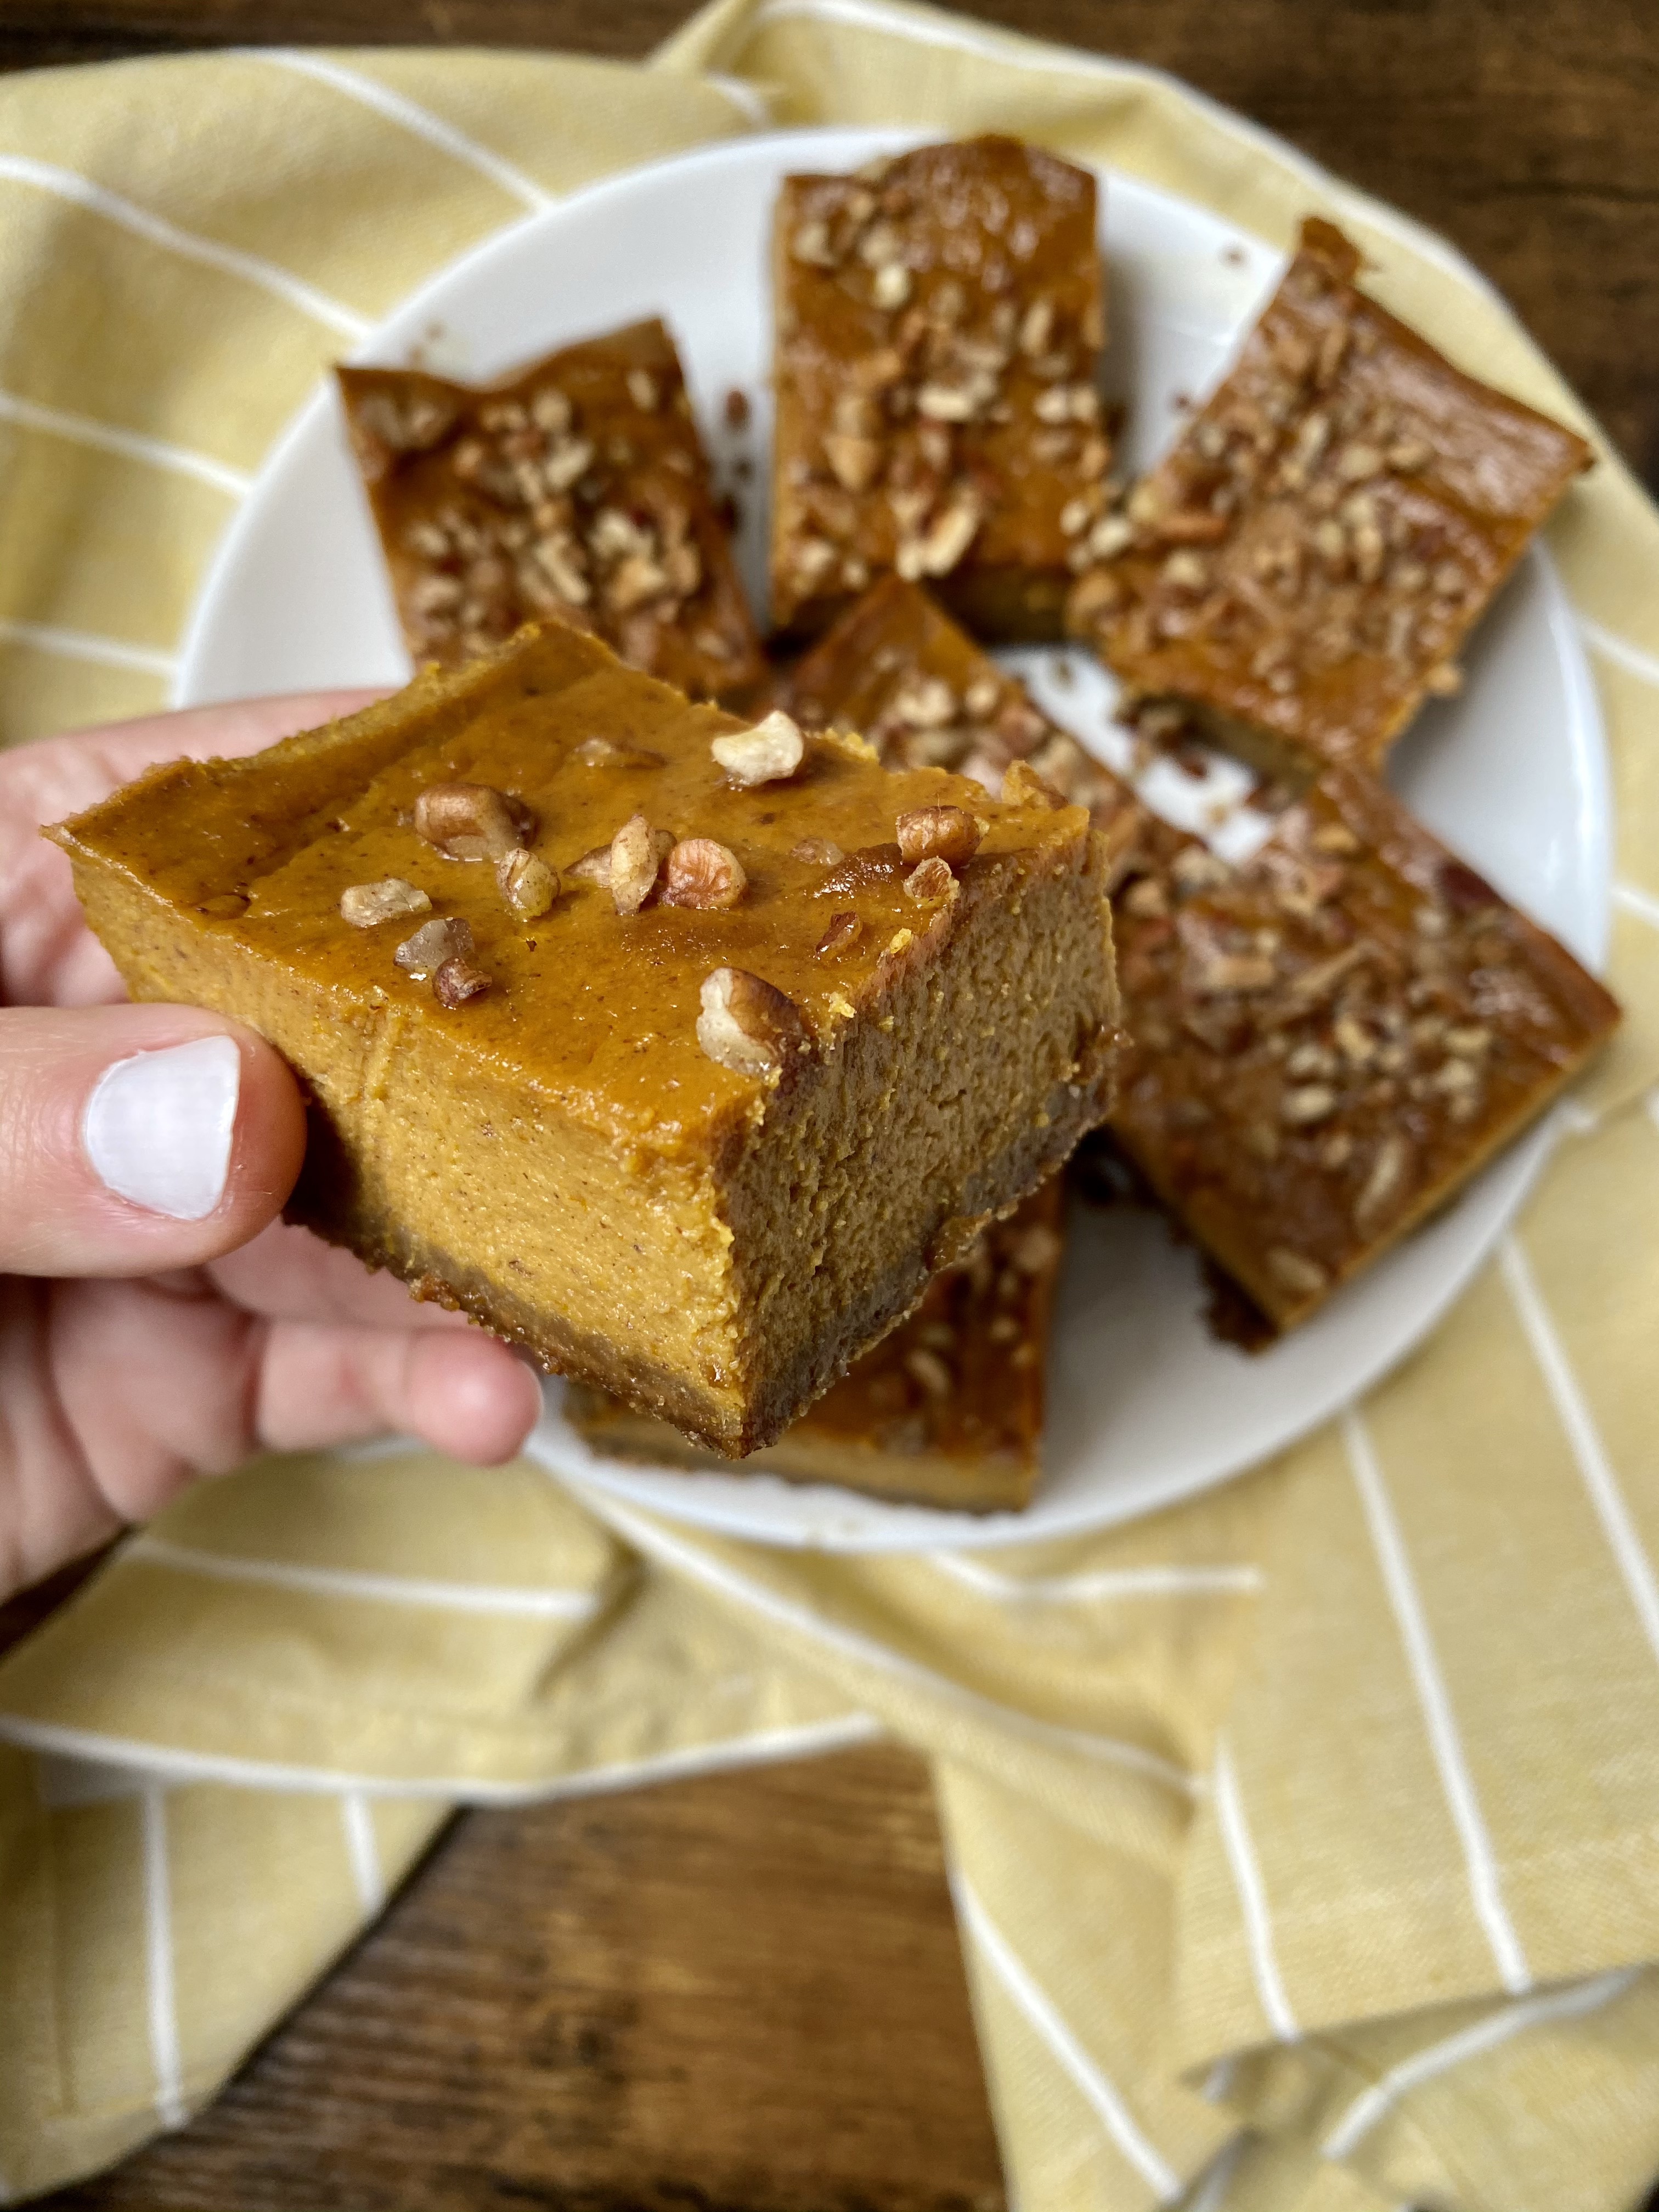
[577,488]
[899,671]
[1303,567]
[938,327]
[1327,1042]
[680,1051]
[945,1411]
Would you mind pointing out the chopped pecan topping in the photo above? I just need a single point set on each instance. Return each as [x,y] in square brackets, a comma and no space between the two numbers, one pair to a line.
[1306,1102]
[844,931]
[405,422]
[594,866]
[367,905]
[637,852]
[1385,1184]
[1146,898]
[949,834]
[818,852]
[472,821]
[1294,1272]
[457,981]
[1023,787]
[1212,971]
[527,884]
[930,1370]
[929,881]
[1035,1248]
[938,549]
[855,460]
[746,1024]
[702,873]
[434,943]
[768,753]
[871,864]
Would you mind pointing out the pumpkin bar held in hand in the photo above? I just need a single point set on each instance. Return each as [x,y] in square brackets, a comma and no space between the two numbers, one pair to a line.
[577,488]
[1303,567]
[945,1411]
[940,324]
[681,1052]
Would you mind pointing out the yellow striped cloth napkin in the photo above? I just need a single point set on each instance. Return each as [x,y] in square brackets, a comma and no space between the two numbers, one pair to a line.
[1305,1839]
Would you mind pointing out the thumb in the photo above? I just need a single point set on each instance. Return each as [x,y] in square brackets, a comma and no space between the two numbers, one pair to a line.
[135,1140]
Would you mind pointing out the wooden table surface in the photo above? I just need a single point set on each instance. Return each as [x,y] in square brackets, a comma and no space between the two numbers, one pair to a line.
[745,1992]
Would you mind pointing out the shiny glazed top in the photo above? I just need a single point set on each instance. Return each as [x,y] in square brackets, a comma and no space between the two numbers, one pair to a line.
[1310,553]
[590,1007]
[940,324]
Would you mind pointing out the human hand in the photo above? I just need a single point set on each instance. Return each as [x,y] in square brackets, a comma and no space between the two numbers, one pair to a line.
[157,1321]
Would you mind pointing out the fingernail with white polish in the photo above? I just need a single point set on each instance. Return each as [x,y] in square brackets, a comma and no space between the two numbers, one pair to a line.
[158,1128]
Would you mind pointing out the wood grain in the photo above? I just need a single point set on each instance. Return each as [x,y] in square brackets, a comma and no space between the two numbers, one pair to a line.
[733,1992]
[1523,129]
[744,1994]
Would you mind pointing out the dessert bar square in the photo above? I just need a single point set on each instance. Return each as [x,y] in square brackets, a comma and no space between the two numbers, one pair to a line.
[895,668]
[680,1051]
[946,1410]
[1320,1046]
[1304,564]
[940,324]
[1327,1042]
[577,488]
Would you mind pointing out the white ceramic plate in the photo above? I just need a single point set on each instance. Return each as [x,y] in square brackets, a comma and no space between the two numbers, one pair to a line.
[1146,1408]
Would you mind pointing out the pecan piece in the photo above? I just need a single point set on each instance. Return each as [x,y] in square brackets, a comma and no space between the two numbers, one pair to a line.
[365,905]
[871,864]
[844,931]
[1294,1272]
[1023,787]
[772,750]
[527,884]
[594,866]
[746,1024]
[1384,1185]
[932,1372]
[1033,1251]
[929,881]
[818,853]
[702,872]
[472,821]
[637,852]
[944,832]
[434,943]
[1306,1102]
[457,981]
